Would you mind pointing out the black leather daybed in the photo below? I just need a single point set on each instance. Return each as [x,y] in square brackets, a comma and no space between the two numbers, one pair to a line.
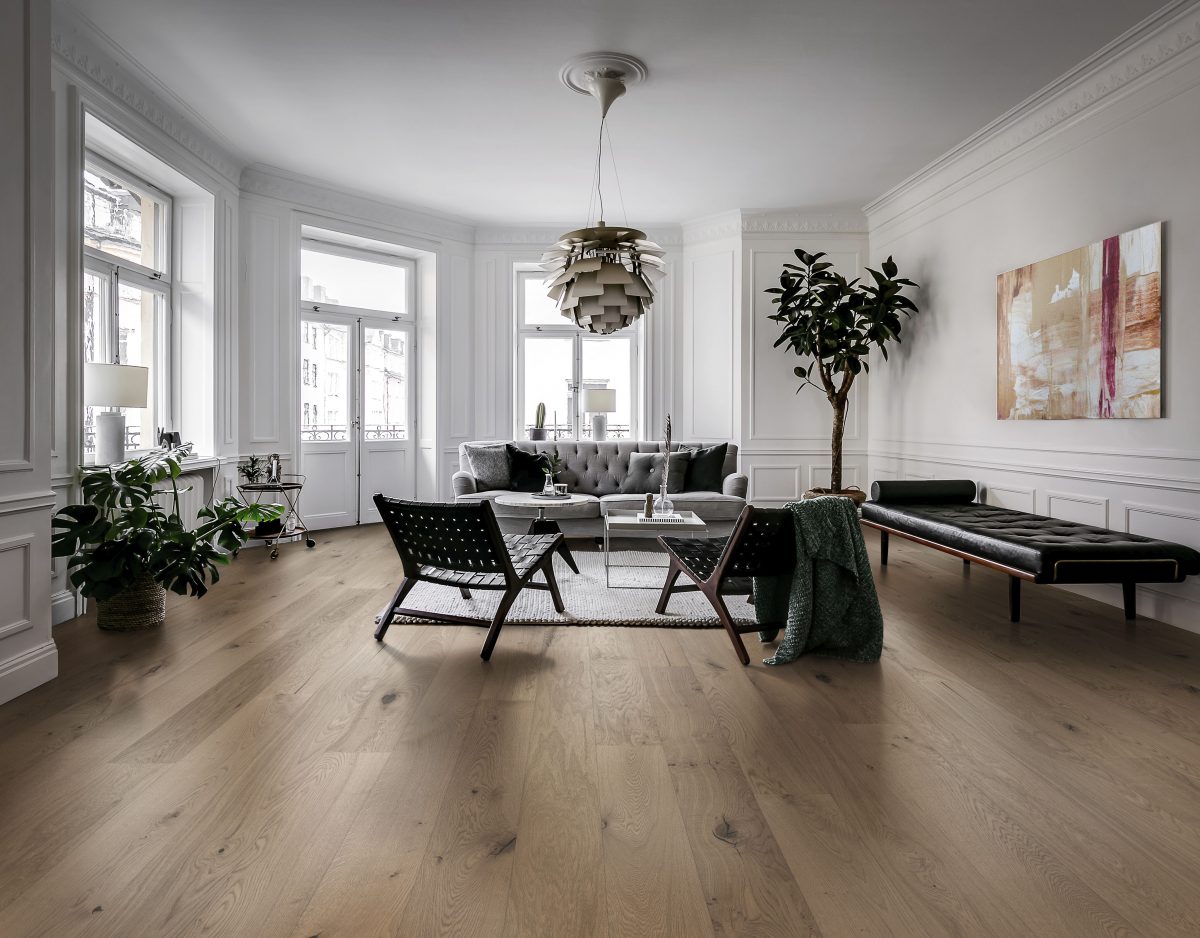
[943,514]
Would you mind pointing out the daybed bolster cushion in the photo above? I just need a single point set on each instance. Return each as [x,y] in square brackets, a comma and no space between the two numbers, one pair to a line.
[924,491]
[710,506]
[1052,550]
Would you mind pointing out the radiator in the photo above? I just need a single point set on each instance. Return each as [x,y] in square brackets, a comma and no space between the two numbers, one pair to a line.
[191,497]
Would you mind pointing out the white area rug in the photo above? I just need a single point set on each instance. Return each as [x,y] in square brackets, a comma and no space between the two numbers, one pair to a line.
[588,601]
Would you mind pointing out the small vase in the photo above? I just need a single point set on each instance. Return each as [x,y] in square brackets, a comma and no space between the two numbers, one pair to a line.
[663,504]
[141,605]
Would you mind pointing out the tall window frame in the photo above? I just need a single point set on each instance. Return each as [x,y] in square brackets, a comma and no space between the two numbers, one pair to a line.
[532,327]
[365,316]
[111,287]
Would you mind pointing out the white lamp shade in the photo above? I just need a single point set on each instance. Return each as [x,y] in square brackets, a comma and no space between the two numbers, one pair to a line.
[115,385]
[599,400]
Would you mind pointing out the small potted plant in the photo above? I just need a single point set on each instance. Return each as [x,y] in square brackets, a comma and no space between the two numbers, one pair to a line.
[128,544]
[254,469]
[538,430]
[831,324]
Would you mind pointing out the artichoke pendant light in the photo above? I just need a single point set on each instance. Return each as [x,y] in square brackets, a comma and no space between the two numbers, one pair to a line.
[602,277]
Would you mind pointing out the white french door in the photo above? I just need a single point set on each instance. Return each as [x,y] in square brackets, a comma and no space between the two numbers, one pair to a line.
[357,415]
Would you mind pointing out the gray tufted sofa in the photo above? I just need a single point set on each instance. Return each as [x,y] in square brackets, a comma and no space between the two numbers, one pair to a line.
[597,471]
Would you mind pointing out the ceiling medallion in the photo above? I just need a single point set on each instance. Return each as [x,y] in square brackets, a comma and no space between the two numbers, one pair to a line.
[602,276]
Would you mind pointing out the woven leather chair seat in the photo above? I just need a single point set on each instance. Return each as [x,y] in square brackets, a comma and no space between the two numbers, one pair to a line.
[525,550]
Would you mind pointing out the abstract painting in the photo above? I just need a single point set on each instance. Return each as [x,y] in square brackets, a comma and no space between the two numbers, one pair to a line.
[1079,335]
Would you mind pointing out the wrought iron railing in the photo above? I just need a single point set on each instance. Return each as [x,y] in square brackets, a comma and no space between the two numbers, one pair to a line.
[339,433]
[564,431]
[133,439]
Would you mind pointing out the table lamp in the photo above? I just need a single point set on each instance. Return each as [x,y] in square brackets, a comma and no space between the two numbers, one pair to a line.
[599,402]
[113,386]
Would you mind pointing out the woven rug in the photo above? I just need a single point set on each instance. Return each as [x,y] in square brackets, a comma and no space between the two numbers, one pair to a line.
[588,601]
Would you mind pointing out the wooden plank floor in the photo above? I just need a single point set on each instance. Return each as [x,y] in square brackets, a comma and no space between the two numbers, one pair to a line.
[261,767]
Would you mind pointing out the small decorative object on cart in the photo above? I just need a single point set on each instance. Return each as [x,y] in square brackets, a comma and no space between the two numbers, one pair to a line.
[254,469]
[274,469]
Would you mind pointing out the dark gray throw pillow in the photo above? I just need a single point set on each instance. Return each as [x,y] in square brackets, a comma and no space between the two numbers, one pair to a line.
[706,469]
[646,470]
[527,470]
[489,465]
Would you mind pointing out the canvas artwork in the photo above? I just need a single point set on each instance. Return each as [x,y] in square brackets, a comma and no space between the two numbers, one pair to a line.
[1079,335]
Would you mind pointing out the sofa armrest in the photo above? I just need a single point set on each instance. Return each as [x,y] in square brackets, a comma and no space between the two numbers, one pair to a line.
[463,483]
[734,484]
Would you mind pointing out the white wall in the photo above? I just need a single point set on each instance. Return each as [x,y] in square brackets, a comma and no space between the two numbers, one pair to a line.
[1113,146]
[28,655]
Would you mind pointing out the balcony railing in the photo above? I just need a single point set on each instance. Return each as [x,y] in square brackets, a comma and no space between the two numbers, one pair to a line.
[340,433]
[564,431]
[133,439]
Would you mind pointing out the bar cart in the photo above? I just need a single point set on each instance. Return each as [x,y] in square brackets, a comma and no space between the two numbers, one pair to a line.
[291,526]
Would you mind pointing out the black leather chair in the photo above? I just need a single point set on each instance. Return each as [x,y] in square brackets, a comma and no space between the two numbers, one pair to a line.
[461,545]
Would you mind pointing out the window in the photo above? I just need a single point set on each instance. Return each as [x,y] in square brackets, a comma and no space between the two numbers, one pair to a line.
[349,293]
[127,290]
[556,360]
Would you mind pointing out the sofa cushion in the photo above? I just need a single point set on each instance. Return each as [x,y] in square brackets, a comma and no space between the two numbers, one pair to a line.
[527,470]
[710,506]
[645,473]
[489,465]
[705,469]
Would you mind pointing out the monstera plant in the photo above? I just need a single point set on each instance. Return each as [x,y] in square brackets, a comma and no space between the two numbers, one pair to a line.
[127,542]
[831,323]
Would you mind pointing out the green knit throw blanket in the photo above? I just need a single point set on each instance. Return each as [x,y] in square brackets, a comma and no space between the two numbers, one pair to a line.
[828,604]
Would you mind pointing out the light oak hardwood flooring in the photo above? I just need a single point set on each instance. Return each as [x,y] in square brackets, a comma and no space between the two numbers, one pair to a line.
[261,767]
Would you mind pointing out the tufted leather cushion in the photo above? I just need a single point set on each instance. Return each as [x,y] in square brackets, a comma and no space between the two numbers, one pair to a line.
[599,468]
[1054,551]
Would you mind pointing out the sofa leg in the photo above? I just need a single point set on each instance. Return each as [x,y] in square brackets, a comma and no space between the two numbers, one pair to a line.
[1014,599]
[883,548]
[1129,593]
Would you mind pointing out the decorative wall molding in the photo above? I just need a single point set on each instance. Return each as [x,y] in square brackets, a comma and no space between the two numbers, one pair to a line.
[1128,61]
[1097,504]
[272,182]
[84,48]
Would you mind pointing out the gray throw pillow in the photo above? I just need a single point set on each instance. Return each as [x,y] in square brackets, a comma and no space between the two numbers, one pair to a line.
[489,465]
[646,469]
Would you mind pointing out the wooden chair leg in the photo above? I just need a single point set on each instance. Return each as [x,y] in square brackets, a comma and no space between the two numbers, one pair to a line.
[665,596]
[552,582]
[464,592]
[727,620]
[506,602]
[385,620]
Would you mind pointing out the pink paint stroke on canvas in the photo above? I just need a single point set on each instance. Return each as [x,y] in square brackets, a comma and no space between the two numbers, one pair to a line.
[1079,335]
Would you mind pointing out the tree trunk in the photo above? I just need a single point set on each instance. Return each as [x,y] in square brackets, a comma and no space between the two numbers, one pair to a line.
[839,428]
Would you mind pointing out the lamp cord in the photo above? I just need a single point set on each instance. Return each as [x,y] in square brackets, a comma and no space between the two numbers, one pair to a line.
[612,156]
[599,173]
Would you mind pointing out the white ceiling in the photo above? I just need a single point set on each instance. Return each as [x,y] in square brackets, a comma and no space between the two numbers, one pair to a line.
[455,105]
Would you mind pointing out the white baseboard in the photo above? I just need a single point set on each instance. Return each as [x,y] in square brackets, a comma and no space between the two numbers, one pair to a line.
[27,670]
[63,606]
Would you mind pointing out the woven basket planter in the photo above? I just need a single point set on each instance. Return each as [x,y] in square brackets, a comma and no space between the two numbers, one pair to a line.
[141,605]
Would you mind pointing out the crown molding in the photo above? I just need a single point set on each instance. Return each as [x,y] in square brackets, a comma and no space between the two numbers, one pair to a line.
[271,182]
[850,221]
[713,227]
[83,49]
[1130,60]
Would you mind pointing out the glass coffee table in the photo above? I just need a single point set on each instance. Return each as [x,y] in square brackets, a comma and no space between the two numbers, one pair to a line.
[543,511]
[632,524]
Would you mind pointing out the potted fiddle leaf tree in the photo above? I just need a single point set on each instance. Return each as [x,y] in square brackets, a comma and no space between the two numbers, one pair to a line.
[831,323]
[127,542]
